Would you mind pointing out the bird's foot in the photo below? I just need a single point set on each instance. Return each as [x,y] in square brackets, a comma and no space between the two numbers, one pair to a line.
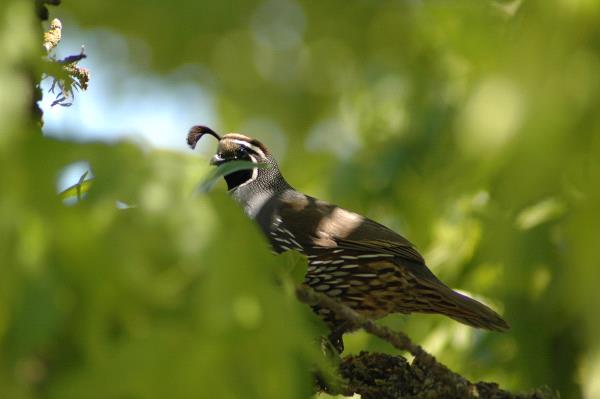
[333,344]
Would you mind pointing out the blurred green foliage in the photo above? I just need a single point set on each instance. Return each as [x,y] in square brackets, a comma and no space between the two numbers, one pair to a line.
[472,127]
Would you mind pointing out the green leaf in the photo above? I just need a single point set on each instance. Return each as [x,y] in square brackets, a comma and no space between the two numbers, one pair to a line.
[77,189]
[295,265]
[225,169]
[542,212]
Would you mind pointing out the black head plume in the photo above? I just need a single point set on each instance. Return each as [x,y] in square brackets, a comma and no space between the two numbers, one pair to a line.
[196,133]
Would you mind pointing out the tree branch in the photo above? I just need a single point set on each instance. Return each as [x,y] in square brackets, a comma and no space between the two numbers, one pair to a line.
[378,375]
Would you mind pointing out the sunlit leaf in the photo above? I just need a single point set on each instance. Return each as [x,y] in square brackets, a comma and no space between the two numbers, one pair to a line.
[77,190]
[539,213]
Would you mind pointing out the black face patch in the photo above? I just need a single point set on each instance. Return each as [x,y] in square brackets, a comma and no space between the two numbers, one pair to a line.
[238,178]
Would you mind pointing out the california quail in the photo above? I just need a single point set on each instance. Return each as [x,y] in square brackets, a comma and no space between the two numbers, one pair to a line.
[367,266]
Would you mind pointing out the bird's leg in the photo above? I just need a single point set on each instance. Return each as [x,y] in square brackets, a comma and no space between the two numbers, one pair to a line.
[336,340]
[334,343]
[332,349]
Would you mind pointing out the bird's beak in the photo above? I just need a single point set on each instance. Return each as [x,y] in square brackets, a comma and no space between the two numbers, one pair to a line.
[216,160]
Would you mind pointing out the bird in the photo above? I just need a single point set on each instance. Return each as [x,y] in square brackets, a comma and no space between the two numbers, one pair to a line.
[361,263]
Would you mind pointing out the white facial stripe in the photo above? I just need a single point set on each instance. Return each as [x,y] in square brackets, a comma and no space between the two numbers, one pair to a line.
[250,146]
[254,170]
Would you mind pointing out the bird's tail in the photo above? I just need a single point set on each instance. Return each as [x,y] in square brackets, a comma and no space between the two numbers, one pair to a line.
[474,313]
[441,299]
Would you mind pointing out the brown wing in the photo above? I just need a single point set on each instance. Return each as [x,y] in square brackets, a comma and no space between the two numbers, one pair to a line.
[320,224]
[376,259]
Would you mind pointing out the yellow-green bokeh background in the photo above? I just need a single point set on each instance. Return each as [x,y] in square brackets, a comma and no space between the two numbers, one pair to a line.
[472,127]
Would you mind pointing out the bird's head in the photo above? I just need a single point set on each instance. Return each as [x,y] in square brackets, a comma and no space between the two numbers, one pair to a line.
[235,147]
